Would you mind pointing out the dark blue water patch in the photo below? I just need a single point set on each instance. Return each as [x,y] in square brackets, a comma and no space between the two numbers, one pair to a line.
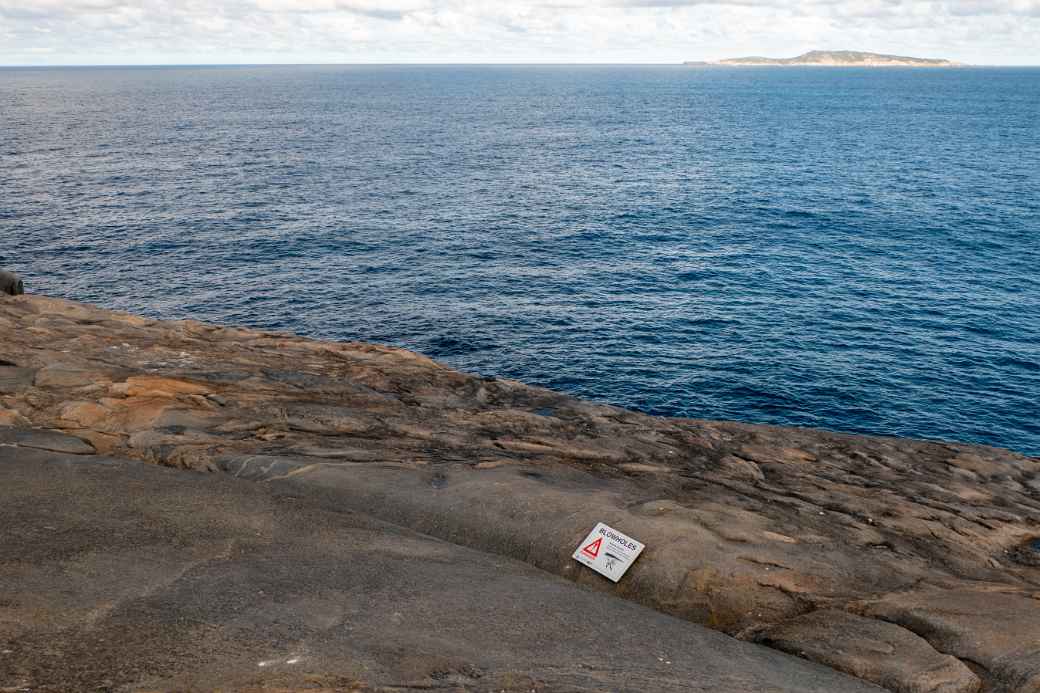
[849,249]
[446,345]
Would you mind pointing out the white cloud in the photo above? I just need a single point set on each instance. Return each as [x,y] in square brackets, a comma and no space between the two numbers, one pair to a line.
[157,31]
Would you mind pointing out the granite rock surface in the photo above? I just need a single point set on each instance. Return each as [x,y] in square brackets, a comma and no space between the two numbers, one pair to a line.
[925,554]
[117,575]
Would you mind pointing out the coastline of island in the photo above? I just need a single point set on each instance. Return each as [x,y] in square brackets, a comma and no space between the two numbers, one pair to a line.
[819,58]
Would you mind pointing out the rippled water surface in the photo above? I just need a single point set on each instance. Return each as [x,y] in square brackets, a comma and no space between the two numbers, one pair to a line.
[850,249]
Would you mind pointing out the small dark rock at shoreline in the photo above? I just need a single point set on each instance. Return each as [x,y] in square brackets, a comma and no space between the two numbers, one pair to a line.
[11,284]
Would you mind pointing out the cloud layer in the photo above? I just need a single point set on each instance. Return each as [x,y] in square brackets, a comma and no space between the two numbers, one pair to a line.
[205,31]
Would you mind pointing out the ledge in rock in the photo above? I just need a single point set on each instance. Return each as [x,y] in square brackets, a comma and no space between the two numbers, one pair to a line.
[44,440]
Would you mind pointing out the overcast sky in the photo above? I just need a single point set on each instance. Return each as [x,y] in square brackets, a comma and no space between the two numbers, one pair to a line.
[45,32]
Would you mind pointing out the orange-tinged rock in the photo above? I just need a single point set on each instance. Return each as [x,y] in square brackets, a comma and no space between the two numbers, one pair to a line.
[9,417]
[104,443]
[142,412]
[85,414]
[133,413]
[149,386]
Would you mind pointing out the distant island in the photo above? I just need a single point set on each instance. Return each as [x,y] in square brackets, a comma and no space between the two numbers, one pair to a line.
[837,59]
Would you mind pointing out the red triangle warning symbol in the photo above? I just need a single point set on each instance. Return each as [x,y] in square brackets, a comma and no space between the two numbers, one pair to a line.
[592,550]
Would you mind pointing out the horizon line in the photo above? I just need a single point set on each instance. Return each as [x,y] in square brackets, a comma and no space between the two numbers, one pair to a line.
[471,64]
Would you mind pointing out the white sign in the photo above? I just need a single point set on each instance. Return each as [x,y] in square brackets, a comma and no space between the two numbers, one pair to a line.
[608,551]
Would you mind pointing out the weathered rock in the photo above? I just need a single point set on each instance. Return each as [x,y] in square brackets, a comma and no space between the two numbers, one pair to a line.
[85,414]
[150,386]
[207,583]
[10,417]
[747,527]
[881,652]
[63,377]
[11,284]
[14,380]
[989,625]
[44,440]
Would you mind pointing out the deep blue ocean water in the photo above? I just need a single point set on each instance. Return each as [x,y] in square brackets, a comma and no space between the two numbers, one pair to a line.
[854,249]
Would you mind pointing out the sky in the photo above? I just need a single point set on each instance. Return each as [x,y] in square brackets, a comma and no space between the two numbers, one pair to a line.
[92,32]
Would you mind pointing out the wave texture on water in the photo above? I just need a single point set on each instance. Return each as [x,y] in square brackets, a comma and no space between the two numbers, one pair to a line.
[848,249]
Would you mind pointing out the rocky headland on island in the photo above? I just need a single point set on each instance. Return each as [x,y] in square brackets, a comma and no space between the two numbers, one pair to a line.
[218,492]
[836,59]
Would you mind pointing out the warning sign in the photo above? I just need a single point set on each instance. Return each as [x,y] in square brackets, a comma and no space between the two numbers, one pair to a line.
[592,550]
[608,551]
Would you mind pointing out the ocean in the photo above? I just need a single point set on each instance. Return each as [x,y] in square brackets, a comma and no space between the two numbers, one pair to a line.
[851,249]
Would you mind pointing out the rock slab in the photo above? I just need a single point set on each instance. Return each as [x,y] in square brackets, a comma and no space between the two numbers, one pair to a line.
[116,575]
[44,440]
[873,650]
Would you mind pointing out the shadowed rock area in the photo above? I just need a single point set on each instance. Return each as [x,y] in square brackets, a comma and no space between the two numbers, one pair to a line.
[910,564]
